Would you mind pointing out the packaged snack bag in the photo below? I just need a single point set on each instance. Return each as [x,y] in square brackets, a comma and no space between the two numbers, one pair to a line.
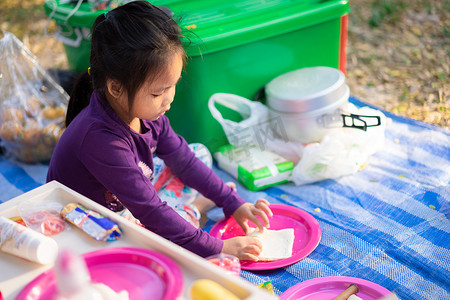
[32,105]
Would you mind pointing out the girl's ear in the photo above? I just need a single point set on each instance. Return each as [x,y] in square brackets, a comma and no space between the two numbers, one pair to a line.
[114,87]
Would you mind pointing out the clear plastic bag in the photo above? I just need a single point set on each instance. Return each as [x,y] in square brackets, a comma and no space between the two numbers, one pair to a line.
[43,216]
[32,104]
[341,152]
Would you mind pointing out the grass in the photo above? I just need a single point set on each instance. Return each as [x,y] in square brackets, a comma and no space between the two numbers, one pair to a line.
[20,17]
[386,10]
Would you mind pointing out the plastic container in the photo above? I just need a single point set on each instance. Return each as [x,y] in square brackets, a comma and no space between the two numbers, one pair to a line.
[229,262]
[236,47]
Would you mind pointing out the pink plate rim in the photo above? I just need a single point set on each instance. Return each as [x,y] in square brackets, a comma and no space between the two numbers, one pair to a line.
[174,276]
[321,281]
[315,235]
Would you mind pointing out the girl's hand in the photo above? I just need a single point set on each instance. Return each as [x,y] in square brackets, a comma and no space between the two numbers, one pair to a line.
[243,247]
[249,212]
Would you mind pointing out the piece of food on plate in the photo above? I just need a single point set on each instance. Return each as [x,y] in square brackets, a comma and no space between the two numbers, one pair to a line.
[348,293]
[276,244]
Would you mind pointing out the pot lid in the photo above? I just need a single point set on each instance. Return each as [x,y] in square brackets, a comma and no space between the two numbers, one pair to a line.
[306,89]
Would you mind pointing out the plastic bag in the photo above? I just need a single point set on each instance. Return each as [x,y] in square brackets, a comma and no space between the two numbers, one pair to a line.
[341,152]
[32,104]
[239,133]
[256,129]
[43,216]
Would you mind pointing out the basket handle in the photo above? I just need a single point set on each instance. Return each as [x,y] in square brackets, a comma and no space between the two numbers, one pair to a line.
[73,43]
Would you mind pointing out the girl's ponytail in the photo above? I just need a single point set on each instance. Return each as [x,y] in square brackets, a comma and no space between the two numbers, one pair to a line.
[84,85]
[80,96]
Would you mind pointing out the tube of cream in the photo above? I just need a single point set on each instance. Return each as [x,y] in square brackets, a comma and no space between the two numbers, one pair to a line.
[26,243]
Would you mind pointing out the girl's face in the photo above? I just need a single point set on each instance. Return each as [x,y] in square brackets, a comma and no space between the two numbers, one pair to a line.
[153,99]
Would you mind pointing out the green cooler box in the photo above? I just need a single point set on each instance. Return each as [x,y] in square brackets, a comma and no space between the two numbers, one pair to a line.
[242,45]
[236,47]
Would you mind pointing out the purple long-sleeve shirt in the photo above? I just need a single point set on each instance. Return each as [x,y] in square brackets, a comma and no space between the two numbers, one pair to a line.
[99,155]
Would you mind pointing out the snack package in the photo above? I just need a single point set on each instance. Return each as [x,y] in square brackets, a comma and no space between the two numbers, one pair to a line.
[255,168]
[91,222]
[32,105]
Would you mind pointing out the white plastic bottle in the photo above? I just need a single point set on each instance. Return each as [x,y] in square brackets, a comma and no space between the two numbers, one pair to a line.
[24,242]
[74,281]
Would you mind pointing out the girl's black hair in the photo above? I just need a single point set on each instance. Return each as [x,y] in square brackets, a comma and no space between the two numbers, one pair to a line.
[128,44]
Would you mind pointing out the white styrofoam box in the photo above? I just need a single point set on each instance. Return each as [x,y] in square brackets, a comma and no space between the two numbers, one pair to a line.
[16,273]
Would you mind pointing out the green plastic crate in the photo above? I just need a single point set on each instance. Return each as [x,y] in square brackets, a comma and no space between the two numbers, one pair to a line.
[235,47]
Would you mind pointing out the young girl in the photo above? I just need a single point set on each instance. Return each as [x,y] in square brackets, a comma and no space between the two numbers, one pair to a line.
[116,124]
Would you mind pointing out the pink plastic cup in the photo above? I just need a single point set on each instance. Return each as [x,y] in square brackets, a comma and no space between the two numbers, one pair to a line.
[226,261]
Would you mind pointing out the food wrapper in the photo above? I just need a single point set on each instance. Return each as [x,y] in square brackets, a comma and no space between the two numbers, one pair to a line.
[32,105]
[91,222]
[267,285]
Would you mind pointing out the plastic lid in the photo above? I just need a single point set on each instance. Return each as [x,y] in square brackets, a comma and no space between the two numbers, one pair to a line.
[306,89]
[226,24]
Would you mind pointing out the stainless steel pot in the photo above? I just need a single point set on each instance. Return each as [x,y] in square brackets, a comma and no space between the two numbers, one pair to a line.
[311,102]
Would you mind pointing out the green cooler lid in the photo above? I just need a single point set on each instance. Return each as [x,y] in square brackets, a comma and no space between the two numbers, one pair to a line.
[219,25]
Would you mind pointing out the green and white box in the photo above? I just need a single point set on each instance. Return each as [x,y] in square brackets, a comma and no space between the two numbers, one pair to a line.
[255,168]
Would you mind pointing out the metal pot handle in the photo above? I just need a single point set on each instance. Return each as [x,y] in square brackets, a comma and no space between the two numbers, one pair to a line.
[358,122]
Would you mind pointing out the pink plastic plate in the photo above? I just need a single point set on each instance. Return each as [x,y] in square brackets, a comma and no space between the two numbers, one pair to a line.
[144,273]
[306,230]
[326,288]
